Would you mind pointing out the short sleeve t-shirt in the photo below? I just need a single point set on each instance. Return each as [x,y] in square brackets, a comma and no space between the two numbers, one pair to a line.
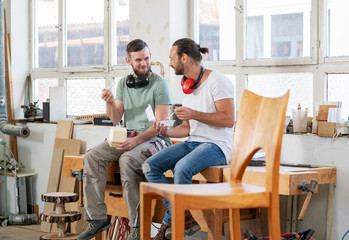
[216,87]
[136,100]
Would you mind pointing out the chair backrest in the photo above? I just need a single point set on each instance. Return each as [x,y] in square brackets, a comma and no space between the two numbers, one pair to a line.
[259,125]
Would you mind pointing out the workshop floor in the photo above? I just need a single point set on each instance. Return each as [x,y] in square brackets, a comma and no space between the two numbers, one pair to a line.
[31,232]
[20,232]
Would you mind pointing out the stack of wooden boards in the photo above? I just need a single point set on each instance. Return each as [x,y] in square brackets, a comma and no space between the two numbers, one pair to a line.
[63,145]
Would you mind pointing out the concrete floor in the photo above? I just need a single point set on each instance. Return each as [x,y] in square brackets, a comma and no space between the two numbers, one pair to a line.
[20,232]
[31,232]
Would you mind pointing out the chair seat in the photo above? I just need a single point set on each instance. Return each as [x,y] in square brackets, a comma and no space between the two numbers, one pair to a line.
[232,197]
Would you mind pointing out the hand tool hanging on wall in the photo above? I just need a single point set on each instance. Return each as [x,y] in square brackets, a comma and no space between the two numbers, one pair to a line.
[309,187]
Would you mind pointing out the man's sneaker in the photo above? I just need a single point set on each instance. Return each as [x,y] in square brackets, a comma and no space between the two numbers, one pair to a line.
[161,232]
[135,234]
[94,227]
[190,226]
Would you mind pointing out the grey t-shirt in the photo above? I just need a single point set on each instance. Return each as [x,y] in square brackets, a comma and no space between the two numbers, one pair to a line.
[136,100]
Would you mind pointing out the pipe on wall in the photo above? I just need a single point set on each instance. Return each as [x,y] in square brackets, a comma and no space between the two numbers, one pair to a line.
[5,127]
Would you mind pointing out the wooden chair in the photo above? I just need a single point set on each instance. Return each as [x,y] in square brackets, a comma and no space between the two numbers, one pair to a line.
[260,125]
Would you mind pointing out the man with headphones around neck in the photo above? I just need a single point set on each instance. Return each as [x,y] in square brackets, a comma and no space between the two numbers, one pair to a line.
[208,119]
[134,93]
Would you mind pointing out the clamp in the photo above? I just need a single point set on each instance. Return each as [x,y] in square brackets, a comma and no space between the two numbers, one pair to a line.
[78,175]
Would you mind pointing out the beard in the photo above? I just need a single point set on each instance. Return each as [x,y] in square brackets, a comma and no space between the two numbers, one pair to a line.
[179,70]
[142,75]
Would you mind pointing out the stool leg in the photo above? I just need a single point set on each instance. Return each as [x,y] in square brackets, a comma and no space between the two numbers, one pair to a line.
[61,229]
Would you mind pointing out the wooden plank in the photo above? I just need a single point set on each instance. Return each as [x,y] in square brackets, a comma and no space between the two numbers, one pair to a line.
[9,95]
[68,184]
[64,129]
[325,174]
[72,162]
[70,146]
[53,183]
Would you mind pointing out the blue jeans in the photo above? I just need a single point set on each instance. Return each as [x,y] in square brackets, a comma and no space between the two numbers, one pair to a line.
[186,159]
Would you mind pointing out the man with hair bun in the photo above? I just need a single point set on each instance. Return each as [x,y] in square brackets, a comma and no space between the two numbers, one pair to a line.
[208,118]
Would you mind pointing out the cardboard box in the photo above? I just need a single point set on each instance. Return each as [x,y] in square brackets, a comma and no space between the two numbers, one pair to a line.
[326,129]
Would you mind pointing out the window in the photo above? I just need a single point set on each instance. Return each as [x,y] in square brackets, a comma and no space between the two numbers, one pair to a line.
[81,50]
[84,96]
[217,29]
[337,37]
[46,34]
[41,89]
[278,29]
[338,85]
[85,33]
[122,33]
[275,85]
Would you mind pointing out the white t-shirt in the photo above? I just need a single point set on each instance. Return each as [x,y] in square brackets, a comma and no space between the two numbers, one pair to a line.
[216,87]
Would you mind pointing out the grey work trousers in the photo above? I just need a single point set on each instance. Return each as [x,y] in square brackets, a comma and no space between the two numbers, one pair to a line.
[95,176]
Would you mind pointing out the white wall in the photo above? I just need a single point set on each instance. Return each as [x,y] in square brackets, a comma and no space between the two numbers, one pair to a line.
[17,26]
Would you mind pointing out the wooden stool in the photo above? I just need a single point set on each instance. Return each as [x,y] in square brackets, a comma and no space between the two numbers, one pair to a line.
[60,216]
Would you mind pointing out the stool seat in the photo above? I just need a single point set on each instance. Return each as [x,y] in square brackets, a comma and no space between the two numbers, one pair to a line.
[60,197]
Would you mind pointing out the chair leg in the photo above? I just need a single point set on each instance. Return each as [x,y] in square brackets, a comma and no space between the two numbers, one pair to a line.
[177,220]
[215,224]
[274,222]
[234,219]
[145,212]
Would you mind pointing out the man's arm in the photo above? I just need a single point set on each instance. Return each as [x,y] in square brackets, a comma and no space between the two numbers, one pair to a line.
[224,117]
[177,132]
[161,113]
[115,109]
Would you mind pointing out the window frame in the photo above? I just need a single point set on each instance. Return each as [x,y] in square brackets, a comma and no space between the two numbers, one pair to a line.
[317,64]
[61,72]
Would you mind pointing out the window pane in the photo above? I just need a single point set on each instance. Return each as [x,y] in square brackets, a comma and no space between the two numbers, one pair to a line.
[46,34]
[275,85]
[217,29]
[337,38]
[338,85]
[278,29]
[85,33]
[122,34]
[84,96]
[41,89]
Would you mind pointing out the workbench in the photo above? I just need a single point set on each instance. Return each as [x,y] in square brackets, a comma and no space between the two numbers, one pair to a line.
[289,179]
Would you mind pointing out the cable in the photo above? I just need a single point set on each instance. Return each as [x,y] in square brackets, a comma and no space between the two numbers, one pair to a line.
[345,234]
